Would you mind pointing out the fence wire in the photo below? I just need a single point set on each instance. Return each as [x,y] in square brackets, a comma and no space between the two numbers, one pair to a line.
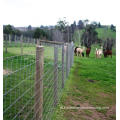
[19,77]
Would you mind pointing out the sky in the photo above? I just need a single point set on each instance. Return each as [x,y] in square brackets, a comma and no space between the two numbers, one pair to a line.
[48,12]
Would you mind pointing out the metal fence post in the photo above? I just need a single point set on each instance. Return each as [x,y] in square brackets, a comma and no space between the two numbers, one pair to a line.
[21,42]
[55,74]
[39,82]
[62,66]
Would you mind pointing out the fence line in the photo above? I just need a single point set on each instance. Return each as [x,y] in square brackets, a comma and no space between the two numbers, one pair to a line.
[34,76]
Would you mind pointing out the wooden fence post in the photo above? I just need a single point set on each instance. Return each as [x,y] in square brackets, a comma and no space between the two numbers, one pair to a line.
[34,41]
[55,74]
[67,60]
[6,43]
[21,41]
[9,38]
[15,38]
[62,66]
[72,53]
[39,82]
[38,42]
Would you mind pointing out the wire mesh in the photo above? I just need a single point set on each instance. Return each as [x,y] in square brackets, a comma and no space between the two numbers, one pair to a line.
[19,77]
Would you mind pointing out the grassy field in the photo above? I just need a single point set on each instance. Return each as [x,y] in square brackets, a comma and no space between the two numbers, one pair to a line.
[92,83]
[103,33]
[18,85]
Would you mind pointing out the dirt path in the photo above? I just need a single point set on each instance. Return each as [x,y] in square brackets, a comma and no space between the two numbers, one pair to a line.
[86,100]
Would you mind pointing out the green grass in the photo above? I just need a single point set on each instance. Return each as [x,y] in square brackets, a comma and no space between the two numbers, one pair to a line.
[9,82]
[80,90]
[103,33]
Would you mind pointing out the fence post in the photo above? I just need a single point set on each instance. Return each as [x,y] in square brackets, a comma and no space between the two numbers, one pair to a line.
[39,82]
[21,41]
[6,43]
[38,42]
[66,60]
[15,40]
[55,74]
[34,41]
[70,55]
[9,38]
[63,66]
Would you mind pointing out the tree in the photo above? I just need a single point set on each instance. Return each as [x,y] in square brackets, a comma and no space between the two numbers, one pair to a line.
[80,24]
[40,33]
[89,37]
[8,29]
[17,32]
[86,22]
[108,44]
[112,27]
[61,25]
[99,25]
[94,23]
[73,27]
[29,27]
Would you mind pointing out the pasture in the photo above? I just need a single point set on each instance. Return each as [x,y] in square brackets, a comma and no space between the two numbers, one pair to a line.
[103,33]
[92,83]
[19,81]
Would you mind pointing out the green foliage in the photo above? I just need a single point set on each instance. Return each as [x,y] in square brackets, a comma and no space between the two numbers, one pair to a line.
[89,37]
[61,25]
[29,27]
[103,34]
[8,29]
[77,37]
[40,33]
[113,28]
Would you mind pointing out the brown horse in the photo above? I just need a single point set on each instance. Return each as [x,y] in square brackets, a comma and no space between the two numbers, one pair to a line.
[107,53]
[88,51]
[75,51]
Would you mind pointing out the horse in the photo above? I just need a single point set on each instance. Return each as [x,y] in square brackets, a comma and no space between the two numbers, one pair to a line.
[75,51]
[98,52]
[107,53]
[80,51]
[88,51]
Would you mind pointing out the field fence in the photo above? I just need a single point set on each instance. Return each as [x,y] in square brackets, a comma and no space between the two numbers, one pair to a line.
[34,76]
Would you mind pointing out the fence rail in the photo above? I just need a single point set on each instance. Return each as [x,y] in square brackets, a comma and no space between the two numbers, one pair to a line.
[34,77]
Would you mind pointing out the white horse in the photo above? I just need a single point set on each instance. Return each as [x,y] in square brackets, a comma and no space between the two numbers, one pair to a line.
[80,51]
[99,52]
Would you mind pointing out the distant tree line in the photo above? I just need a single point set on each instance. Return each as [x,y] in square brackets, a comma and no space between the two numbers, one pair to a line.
[62,28]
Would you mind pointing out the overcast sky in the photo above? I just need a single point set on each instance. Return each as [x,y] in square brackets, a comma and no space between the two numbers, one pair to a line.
[48,12]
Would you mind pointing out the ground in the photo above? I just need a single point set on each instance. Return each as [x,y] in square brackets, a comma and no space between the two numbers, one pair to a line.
[91,84]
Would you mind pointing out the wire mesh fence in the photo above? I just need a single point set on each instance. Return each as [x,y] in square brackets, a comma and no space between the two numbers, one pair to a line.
[33,77]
